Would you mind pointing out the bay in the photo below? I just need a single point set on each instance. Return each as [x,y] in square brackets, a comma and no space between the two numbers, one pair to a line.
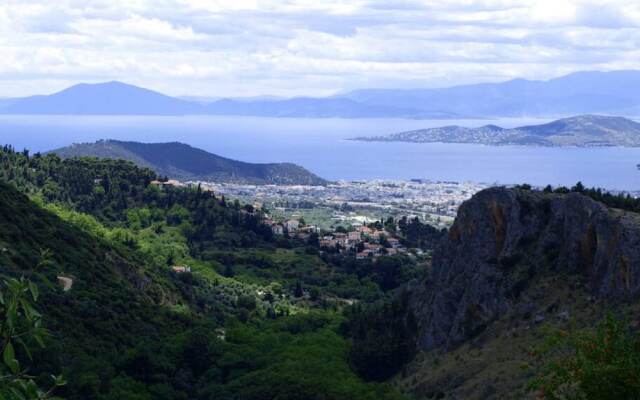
[321,145]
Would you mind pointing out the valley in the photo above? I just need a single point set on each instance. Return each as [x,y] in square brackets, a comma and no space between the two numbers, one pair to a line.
[232,289]
[320,200]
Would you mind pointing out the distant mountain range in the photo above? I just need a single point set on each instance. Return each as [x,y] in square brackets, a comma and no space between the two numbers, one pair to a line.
[117,98]
[111,98]
[615,93]
[582,131]
[183,162]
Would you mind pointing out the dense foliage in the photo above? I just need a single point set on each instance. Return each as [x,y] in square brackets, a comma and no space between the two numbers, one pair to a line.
[591,365]
[383,337]
[621,200]
[256,318]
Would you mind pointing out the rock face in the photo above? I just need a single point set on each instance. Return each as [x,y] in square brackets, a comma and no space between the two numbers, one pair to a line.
[502,239]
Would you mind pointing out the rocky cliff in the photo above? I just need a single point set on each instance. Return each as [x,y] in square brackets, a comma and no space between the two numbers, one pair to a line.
[502,239]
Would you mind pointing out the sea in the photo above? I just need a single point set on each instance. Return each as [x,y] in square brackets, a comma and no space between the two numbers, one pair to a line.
[322,146]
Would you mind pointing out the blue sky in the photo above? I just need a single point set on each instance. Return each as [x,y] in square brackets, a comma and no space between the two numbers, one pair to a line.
[307,47]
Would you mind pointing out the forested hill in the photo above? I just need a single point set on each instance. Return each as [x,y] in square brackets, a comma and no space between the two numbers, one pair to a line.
[183,162]
[176,293]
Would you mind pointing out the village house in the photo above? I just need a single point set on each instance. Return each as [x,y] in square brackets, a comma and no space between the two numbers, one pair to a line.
[328,243]
[365,254]
[277,229]
[310,229]
[303,235]
[179,269]
[291,225]
[170,182]
[372,247]
[393,242]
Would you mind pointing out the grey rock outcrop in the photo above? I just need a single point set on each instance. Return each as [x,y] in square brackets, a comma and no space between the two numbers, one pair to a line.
[502,239]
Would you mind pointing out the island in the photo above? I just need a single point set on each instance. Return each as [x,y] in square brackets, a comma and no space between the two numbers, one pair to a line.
[579,131]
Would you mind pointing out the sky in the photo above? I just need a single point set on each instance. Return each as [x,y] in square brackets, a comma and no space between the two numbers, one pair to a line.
[236,48]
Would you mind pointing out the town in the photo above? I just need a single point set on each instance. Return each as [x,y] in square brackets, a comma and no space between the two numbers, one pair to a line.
[344,203]
[362,218]
[366,218]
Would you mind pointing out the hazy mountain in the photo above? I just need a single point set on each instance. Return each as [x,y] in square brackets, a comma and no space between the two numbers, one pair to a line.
[317,108]
[199,99]
[6,102]
[583,131]
[616,92]
[181,161]
[110,98]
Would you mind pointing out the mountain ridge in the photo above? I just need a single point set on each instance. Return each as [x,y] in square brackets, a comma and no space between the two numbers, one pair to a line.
[586,92]
[581,131]
[108,98]
[184,162]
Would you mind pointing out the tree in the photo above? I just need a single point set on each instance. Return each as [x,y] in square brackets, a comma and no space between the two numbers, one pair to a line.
[591,365]
[228,271]
[20,330]
[579,187]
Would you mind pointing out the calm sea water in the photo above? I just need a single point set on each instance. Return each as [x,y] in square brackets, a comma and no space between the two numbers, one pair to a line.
[320,146]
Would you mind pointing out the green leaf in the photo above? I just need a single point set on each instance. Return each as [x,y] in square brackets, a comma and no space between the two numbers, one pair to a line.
[32,389]
[34,290]
[9,358]
[38,338]
[25,347]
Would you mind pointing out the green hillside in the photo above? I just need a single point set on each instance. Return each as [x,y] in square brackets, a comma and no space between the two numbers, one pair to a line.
[130,328]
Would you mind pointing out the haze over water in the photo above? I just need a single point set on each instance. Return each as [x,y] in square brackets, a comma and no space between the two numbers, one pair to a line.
[321,146]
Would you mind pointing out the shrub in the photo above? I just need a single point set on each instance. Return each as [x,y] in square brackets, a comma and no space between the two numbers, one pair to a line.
[600,364]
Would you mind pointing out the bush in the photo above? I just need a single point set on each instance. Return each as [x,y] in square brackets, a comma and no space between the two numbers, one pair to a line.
[591,365]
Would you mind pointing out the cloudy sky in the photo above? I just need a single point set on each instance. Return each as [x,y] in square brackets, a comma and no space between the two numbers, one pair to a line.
[307,47]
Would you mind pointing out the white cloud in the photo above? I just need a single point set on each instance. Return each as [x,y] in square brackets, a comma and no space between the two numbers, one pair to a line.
[307,47]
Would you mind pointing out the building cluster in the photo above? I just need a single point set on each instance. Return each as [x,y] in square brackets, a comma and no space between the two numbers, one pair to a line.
[364,241]
[293,228]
